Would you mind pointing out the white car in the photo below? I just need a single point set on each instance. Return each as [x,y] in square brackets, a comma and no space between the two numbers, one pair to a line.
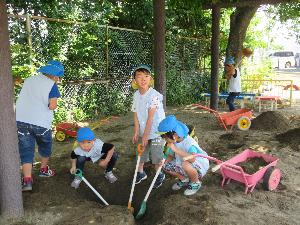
[282,59]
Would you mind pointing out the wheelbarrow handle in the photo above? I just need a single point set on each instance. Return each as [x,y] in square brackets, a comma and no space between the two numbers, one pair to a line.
[203,156]
[205,108]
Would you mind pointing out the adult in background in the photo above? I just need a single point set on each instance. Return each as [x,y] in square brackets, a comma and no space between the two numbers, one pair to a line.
[233,76]
[34,115]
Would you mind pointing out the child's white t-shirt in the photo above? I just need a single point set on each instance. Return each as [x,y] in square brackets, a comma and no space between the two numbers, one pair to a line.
[32,104]
[186,145]
[235,82]
[95,153]
[142,104]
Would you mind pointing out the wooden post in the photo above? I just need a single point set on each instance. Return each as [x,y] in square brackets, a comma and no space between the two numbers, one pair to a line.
[159,47]
[29,36]
[215,40]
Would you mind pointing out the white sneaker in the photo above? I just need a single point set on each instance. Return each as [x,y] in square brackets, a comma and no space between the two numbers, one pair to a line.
[192,188]
[180,184]
[76,182]
[110,177]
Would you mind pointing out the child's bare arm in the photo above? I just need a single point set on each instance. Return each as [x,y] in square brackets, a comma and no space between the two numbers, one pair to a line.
[73,166]
[103,163]
[180,152]
[52,103]
[136,128]
[149,122]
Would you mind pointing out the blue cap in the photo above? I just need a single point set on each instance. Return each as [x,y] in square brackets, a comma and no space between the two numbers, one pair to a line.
[53,67]
[229,60]
[85,134]
[141,66]
[170,123]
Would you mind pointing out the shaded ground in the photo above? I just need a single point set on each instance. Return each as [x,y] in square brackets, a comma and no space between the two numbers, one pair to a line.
[53,201]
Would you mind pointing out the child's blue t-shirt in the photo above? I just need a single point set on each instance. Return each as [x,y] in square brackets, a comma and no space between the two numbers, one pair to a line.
[54,93]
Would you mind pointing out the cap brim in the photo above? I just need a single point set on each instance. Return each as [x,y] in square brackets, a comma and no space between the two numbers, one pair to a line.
[161,133]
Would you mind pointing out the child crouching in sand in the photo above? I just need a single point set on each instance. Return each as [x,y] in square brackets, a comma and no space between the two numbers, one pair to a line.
[180,144]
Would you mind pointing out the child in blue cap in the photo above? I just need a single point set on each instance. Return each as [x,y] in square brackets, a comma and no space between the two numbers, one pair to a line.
[180,145]
[147,111]
[233,76]
[34,115]
[95,150]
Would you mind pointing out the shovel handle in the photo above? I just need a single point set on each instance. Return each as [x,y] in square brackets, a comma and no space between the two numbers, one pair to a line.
[140,149]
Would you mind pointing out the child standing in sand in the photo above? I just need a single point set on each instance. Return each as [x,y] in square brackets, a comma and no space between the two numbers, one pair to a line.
[180,145]
[147,113]
[95,150]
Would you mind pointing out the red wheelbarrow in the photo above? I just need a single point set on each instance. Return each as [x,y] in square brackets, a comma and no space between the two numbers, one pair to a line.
[269,175]
[240,117]
[65,129]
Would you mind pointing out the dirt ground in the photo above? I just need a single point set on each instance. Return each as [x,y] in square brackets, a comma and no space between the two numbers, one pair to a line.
[54,202]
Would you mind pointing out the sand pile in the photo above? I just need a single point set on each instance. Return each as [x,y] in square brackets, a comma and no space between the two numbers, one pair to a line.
[291,137]
[270,121]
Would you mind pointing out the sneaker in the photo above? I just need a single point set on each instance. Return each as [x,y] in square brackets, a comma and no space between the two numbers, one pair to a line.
[192,188]
[140,177]
[159,180]
[46,172]
[76,182]
[26,185]
[110,177]
[180,184]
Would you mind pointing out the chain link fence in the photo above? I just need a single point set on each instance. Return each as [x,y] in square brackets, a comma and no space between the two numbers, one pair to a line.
[98,62]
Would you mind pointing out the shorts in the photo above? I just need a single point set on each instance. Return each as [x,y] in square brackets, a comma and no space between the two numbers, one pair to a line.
[154,151]
[173,167]
[28,134]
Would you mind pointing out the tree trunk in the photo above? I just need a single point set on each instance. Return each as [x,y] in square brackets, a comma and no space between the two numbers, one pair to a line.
[11,203]
[239,22]
[159,47]
[215,41]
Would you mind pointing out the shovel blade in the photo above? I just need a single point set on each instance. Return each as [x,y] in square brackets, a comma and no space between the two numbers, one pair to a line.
[142,211]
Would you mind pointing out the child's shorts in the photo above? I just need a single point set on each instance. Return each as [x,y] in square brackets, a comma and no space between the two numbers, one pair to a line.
[154,151]
[198,165]
[28,134]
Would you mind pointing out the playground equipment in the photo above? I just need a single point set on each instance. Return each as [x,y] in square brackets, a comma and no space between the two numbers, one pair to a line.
[269,175]
[239,117]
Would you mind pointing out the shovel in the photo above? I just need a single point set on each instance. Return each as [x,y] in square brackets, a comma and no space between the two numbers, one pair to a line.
[79,174]
[140,149]
[143,205]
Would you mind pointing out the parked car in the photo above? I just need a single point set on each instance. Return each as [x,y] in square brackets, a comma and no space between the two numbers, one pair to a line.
[282,59]
[297,59]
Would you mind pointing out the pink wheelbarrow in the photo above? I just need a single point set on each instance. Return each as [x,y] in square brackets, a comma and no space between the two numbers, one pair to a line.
[269,175]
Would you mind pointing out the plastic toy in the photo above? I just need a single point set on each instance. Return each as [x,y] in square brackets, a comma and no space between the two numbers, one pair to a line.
[269,175]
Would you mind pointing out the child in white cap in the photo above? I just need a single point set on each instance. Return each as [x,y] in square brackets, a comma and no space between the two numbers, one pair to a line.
[95,150]
[180,144]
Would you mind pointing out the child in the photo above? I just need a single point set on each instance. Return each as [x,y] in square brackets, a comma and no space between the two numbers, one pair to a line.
[180,145]
[232,74]
[92,149]
[147,113]
[34,115]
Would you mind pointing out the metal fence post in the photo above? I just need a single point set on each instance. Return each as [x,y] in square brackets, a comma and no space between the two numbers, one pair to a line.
[29,36]
[107,55]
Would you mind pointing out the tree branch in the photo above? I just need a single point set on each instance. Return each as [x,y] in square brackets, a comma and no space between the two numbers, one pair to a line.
[244,3]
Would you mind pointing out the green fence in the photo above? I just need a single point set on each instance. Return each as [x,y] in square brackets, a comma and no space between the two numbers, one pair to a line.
[98,61]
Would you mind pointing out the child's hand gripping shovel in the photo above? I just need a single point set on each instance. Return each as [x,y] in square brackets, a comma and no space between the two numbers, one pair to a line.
[140,149]
[79,174]
[143,205]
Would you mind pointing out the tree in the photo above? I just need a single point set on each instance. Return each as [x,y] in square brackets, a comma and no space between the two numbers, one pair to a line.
[11,203]
[159,47]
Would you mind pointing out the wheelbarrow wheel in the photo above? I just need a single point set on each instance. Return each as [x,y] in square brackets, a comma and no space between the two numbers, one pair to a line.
[244,123]
[60,136]
[271,178]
